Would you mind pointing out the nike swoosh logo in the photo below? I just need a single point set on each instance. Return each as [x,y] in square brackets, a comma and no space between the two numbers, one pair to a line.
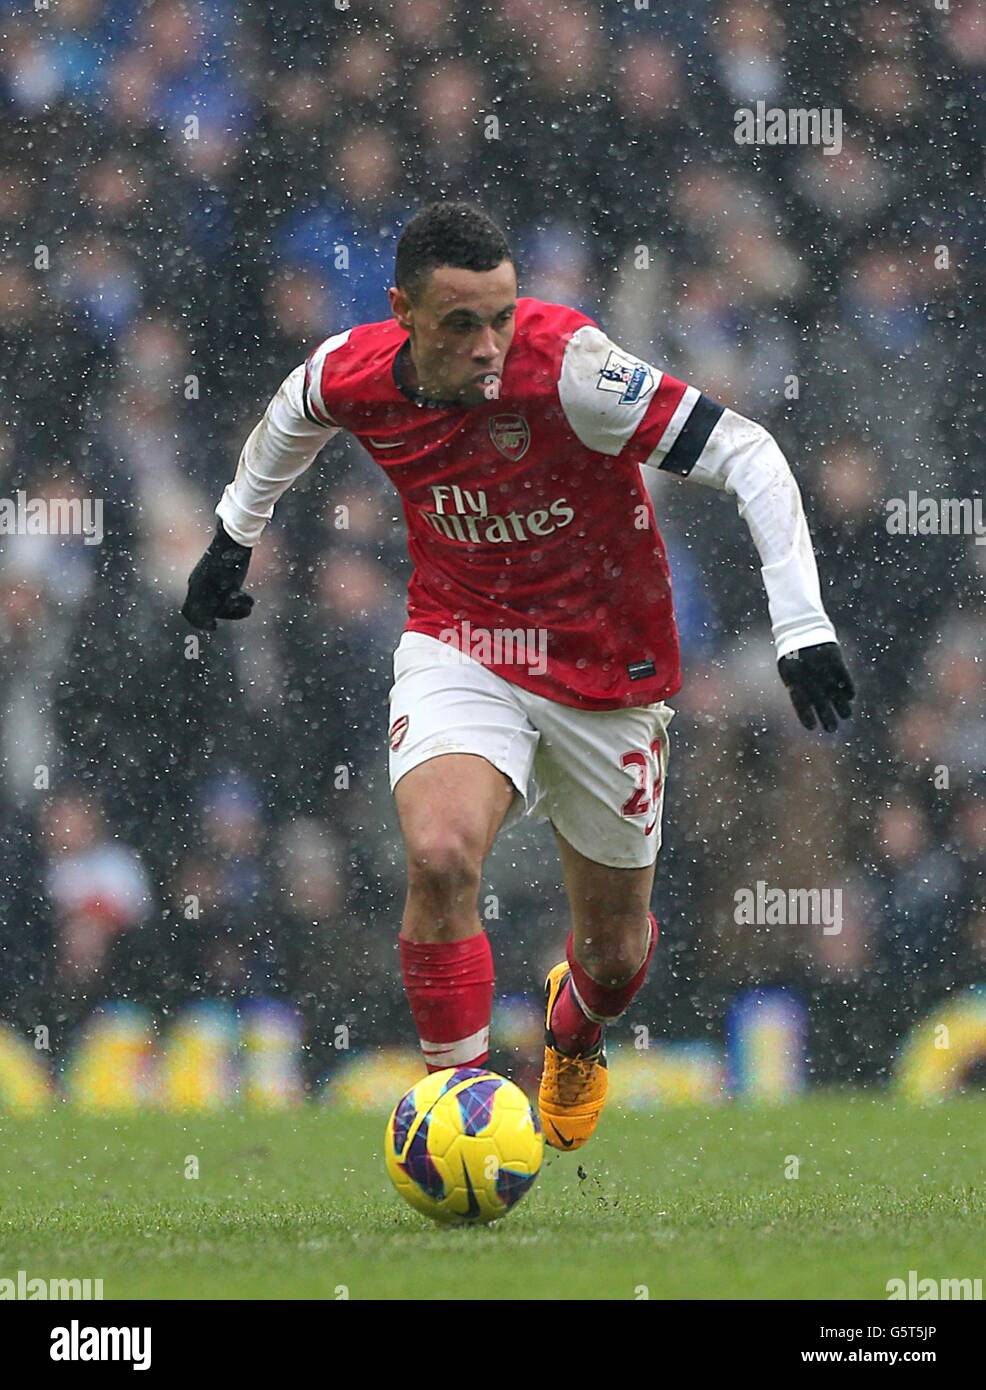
[382,444]
[565,1143]
[472,1210]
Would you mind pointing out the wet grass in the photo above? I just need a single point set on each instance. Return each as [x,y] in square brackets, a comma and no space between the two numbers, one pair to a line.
[685,1203]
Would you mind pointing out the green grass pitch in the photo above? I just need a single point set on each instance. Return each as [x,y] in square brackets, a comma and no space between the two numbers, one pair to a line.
[685,1203]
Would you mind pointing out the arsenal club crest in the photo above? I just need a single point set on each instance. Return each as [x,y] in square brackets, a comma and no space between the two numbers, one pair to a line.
[511,434]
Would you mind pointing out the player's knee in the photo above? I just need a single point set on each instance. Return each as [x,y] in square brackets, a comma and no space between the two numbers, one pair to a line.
[444,864]
[613,953]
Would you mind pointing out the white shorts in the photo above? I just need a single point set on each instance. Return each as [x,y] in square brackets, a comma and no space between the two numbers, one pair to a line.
[596,775]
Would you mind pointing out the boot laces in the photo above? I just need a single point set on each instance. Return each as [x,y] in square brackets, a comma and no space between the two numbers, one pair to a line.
[574,1076]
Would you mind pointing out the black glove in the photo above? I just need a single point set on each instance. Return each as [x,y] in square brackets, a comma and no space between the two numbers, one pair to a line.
[214,584]
[819,683]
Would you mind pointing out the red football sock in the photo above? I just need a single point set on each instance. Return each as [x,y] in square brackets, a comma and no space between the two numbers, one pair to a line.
[449,986]
[579,1014]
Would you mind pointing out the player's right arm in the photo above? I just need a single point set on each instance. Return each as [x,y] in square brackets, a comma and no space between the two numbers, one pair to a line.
[294,428]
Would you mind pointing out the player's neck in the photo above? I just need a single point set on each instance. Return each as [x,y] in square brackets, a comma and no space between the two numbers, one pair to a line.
[409,382]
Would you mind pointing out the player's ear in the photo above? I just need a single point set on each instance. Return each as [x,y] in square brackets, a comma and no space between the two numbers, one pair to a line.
[400,307]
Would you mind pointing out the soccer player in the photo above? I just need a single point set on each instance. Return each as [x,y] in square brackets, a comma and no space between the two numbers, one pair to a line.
[540,647]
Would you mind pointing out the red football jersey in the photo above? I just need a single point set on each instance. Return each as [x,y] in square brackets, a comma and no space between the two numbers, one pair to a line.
[528,514]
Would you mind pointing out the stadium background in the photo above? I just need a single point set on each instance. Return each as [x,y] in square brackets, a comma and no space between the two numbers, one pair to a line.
[186,276]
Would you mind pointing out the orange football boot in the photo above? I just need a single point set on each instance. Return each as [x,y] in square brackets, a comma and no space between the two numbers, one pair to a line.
[573,1089]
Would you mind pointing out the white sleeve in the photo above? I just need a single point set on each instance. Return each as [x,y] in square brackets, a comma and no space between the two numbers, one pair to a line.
[736,455]
[279,450]
[614,402]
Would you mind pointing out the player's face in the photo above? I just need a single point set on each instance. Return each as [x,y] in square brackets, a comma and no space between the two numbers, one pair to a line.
[461,323]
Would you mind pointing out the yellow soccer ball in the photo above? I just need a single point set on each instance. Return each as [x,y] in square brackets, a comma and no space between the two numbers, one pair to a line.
[463,1145]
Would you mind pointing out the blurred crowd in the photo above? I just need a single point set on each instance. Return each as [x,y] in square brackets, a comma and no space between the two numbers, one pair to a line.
[193,195]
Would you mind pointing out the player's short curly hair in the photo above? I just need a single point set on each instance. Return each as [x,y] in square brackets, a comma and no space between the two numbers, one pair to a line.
[455,234]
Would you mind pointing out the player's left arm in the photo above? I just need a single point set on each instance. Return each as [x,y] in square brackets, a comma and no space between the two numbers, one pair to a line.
[721,449]
[614,400]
